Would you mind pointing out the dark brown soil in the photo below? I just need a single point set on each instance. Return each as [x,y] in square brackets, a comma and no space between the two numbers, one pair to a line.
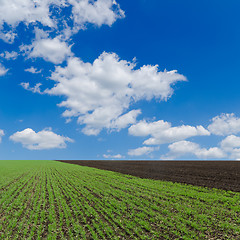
[214,174]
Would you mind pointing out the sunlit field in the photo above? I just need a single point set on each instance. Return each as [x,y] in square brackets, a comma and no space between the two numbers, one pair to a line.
[54,200]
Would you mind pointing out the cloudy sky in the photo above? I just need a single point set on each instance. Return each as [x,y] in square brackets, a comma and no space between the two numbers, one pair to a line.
[106,79]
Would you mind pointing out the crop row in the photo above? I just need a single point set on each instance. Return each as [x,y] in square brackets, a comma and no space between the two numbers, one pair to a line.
[53,200]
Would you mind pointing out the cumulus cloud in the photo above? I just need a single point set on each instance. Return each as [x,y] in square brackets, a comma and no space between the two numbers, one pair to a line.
[141,151]
[231,145]
[45,139]
[235,154]
[96,12]
[182,148]
[3,70]
[7,35]
[230,142]
[51,50]
[117,156]
[225,124]
[162,132]
[35,89]
[33,70]
[12,12]
[126,119]
[9,55]
[100,94]
[43,13]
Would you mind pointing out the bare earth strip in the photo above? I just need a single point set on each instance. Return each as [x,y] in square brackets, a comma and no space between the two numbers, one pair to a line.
[214,174]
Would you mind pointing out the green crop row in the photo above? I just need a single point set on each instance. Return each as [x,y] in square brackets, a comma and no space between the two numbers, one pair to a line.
[53,200]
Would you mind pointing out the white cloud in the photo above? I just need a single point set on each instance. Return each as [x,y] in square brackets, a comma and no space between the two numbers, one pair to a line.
[144,128]
[45,139]
[231,144]
[141,151]
[9,55]
[101,93]
[162,132]
[52,50]
[117,124]
[159,86]
[235,154]
[3,70]
[7,36]
[225,124]
[13,12]
[96,12]
[183,148]
[211,153]
[126,119]
[1,135]
[33,70]
[117,156]
[35,89]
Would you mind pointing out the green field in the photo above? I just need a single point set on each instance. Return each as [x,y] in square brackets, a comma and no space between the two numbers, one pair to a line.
[54,200]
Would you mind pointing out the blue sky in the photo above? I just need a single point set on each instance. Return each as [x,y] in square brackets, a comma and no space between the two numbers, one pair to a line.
[80,81]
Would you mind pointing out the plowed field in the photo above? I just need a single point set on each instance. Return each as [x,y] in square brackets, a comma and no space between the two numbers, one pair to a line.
[214,174]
